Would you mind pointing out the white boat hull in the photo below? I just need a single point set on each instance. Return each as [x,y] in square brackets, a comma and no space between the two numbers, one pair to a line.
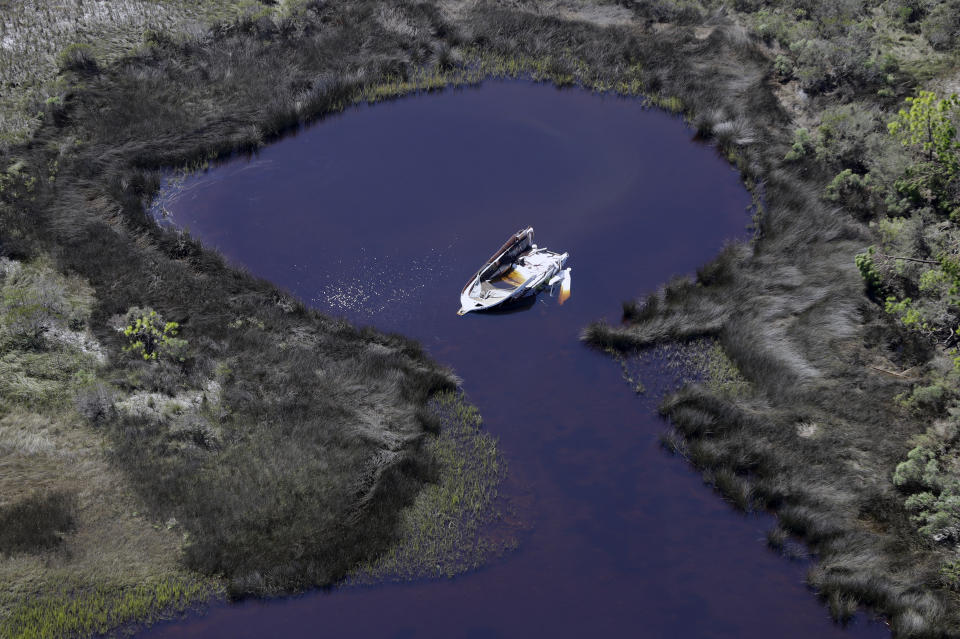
[518,269]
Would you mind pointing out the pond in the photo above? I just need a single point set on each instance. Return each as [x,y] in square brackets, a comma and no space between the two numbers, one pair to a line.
[380,215]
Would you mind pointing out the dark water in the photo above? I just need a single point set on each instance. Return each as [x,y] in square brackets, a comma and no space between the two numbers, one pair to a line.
[381,215]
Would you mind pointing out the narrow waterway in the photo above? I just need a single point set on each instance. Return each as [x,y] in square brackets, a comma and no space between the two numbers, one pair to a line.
[380,215]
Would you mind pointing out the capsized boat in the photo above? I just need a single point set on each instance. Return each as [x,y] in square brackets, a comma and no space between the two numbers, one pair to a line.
[518,269]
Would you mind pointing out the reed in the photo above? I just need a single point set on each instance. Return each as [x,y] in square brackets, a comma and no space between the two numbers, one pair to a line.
[454,524]
[70,609]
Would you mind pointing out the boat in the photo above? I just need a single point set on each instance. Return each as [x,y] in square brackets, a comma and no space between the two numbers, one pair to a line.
[520,268]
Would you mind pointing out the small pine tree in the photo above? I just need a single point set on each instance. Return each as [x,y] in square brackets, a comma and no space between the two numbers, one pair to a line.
[929,125]
[151,337]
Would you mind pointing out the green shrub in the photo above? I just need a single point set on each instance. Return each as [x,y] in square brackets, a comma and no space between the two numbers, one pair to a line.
[929,127]
[938,516]
[912,473]
[868,271]
[772,25]
[950,575]
[77,57]
[801,147]
[926,184]
[152,338]
[858,193]
[907,12]
[28,313]
[813,68]
[903,310]
[933,280]
[783,68]
[929,475]
[843,136]
[888,63]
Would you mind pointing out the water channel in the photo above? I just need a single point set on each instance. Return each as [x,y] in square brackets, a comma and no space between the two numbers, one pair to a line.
[380,215]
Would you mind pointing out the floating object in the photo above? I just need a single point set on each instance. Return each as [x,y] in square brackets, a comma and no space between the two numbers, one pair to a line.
[518,269]
[561,280]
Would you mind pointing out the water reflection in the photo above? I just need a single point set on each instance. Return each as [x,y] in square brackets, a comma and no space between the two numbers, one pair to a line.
[518,305]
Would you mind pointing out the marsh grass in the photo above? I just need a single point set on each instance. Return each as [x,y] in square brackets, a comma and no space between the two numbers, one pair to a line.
[667,367]
[70,609]
[445,531]
[39,39]
[296,468]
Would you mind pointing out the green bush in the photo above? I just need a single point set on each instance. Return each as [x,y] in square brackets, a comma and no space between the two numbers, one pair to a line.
[913,474]
[843,136]
[868,271]
[938,515]
[77,57]
[926,184]
[950,575]
[772,26]
[833,53]
[856,192]
[151,338]
[813,68]
[929,127]
[802,145]
[907,13]
[903,310]
[783,68]
[929,475]
[28,313]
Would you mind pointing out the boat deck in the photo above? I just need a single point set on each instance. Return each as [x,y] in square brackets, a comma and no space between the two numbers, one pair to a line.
[509,281]
[517,269]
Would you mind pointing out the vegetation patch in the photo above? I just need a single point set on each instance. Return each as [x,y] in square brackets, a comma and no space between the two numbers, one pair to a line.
[40,39]
[669,366]
[930,476]
[74,609]
[37,522]
[447,530]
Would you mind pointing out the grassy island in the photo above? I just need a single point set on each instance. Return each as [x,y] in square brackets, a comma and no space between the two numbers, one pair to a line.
[173,429]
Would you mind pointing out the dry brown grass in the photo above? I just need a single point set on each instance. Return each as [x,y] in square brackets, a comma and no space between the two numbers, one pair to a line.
[33,33]
[112,542]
